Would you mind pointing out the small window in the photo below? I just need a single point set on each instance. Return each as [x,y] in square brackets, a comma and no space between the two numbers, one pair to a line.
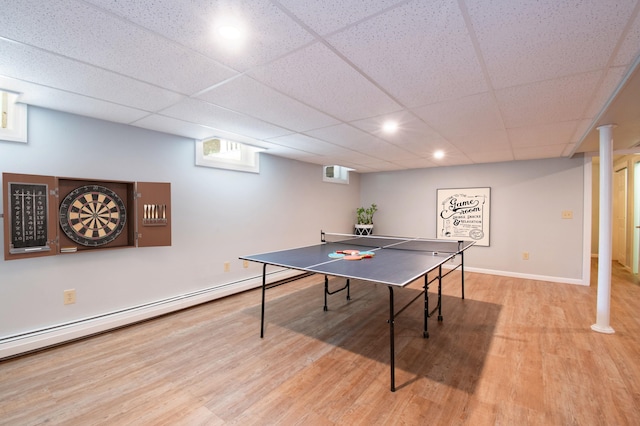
[226,154]
[336,174]
[13,125]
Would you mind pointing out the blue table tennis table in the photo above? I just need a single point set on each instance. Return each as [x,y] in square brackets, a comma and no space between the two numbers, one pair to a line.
[395,262]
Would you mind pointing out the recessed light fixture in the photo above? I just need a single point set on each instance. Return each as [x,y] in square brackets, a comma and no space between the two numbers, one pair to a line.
[229,32]
[438,155]
[390,126]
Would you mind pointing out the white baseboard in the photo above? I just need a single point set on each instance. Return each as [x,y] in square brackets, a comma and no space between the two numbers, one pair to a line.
[11,346]
[560,280]
[39,339]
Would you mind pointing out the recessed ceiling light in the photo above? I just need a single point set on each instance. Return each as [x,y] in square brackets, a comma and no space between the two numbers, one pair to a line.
[439,154]
[390,126]
[229,32]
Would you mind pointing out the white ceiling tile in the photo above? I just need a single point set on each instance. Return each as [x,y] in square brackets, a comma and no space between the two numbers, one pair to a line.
[568,149]
[197,111]
[270,33]
[453,161]
[283,151]
[416,163]
[452,157]
[543,62]
[307,144]
[347,136]
[562,99]
[537,152]
[424,147]
[604,93]
[359,158]
[630,47]
[408,50]
[380,166]
[487,140]
[318,76]
[101,39]
[409,127]
[359,141]
[190,130]
[34,65]
[543,134]
[330,15]
[463,116]
[388,151]
[412,135]
[361,169]
[581,129]
[544,39]
[254,98]
[489,156]
[47,97]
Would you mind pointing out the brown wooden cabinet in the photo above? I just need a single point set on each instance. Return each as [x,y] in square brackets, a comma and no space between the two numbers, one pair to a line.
[47,215]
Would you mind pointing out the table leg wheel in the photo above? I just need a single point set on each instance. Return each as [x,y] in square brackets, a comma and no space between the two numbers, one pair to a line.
[439,317]
[325,309]
[425,334]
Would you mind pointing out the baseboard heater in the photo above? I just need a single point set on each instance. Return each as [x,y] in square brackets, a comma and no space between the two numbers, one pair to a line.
[47,337]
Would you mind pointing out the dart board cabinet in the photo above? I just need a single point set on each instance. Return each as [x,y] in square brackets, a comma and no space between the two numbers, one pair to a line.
[46,215]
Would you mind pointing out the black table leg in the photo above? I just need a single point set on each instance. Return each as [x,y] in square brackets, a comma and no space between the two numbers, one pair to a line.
[392,361]
[326,292]
[440,293]
[425,333]
[462,270]
[264,289]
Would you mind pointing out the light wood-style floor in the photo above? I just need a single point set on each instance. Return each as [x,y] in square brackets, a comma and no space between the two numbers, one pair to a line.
[514,352]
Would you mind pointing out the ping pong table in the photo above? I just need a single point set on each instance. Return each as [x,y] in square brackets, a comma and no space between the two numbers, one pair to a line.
[393,261]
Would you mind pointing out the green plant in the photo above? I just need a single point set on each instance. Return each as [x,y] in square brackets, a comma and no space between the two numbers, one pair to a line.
[365,216]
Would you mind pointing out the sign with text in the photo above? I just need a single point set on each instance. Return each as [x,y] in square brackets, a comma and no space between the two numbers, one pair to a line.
[463,214]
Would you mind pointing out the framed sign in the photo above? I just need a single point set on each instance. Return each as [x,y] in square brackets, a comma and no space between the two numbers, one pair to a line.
[463,214]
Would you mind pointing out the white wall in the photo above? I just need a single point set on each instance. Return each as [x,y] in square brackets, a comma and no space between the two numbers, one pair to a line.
[527,199]
[218,215]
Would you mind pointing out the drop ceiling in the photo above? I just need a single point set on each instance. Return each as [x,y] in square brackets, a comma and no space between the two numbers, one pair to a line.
[483,80]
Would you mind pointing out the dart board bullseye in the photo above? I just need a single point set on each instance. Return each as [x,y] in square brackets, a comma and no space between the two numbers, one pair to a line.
[92,215]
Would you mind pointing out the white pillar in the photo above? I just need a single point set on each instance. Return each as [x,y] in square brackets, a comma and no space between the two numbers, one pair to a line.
[606,226]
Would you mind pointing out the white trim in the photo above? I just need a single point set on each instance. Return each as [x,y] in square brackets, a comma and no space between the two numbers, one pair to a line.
[587,220]
[11,346]
[249,161]
[559,280]
[339,174]
[17,121]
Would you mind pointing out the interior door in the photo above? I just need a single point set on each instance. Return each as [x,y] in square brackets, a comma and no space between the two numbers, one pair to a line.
[620,216]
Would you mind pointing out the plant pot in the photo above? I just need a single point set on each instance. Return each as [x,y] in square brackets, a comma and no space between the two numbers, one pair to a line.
[363,229]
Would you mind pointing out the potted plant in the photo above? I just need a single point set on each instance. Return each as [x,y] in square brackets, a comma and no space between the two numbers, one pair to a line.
[364,223]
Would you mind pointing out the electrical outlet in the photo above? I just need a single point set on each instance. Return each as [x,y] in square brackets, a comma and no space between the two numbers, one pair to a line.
[69,297]
[567,214]
[525,255]
[245,263]
[227,266]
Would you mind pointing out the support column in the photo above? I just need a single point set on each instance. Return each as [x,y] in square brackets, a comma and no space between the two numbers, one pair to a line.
[603,307]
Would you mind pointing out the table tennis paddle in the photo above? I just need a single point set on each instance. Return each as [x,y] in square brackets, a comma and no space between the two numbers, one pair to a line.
[359,256]
[347,251]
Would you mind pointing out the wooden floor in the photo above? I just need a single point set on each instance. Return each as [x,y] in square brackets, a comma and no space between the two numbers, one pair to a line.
[514,352]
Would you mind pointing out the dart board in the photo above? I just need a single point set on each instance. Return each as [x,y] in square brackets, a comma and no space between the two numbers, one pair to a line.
[92,215]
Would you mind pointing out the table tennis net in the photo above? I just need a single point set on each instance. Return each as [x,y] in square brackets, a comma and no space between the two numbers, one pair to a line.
[397,243]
